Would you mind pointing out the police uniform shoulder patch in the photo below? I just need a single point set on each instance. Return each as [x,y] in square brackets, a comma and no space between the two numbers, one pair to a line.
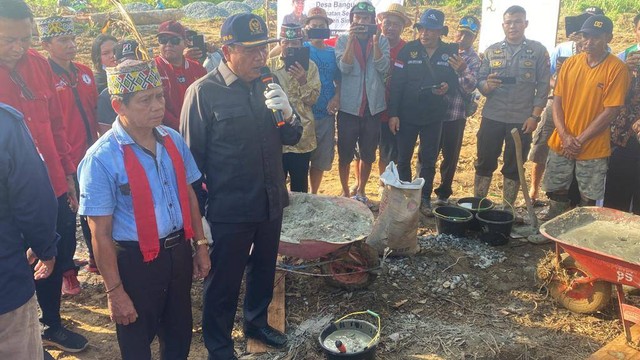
[496,63]
[497,51]
[413,54]
[445,57]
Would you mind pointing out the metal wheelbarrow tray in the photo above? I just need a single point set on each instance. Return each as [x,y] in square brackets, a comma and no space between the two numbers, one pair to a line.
[604,249]
[311,231]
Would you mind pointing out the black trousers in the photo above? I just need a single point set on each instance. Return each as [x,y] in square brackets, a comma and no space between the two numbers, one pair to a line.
[428,152]
[229,258]
[296,166]
[161,293]
[86,232]
[450,145]
[48,290]
[491,137]
[622,190]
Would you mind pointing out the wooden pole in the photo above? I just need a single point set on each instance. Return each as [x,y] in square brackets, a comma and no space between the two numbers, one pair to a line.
[415,19]
[523,180]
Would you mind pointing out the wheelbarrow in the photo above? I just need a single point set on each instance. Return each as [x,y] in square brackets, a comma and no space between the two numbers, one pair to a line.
[330,230]
[595,248]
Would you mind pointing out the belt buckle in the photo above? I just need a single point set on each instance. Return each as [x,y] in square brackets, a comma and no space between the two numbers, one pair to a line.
[172,241]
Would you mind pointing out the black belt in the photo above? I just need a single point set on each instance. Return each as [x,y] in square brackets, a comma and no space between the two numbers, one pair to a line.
[172,240]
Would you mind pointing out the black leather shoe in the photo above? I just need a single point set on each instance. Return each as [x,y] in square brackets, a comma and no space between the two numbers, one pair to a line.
[267,335]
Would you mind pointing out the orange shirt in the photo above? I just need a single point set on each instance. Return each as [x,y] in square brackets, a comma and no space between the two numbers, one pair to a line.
[585,92]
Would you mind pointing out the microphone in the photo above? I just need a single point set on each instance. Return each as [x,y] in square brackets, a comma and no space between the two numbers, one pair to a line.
[268,78]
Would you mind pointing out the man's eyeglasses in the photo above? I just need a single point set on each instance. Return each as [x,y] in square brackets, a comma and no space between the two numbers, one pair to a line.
[365,6]
[469,23]
[173,40]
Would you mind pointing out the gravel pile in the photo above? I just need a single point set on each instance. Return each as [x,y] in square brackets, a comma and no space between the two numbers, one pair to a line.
[204,10]
[439,281]
[138,6]
[235,7]
[254,4]
[481,254]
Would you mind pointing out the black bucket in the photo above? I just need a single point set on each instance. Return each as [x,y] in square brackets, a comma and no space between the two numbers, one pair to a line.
[452,220]
[473,204]
[496,226]
[361,328]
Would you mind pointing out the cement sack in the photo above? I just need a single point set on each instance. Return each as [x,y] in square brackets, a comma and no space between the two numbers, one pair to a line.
[396,227]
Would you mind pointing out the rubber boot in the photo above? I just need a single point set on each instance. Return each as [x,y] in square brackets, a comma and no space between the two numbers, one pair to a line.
[510,189]
[555,208]
[481,186]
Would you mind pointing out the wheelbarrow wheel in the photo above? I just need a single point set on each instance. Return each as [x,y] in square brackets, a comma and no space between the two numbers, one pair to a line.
[349,267]
[579,298]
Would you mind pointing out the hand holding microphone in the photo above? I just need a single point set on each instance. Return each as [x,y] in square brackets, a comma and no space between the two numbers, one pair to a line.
[277,100]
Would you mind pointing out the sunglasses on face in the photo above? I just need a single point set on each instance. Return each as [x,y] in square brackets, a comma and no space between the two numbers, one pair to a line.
[365,6]
[173,40]
[469,23]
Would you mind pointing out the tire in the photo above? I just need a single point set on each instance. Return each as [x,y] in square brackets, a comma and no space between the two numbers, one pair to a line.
[582,298]
[354,258]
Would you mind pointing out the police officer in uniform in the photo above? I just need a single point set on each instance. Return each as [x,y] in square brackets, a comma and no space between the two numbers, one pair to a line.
[514,77]
[421,77]
[228,122]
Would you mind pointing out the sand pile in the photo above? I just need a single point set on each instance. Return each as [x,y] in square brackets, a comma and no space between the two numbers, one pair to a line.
[327,218]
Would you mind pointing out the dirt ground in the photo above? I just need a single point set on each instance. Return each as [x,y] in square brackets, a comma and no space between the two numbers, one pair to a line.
[455,299]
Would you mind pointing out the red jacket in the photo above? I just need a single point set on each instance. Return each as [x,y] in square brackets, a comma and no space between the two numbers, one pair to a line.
[80,135]
[42,114]
[175,81]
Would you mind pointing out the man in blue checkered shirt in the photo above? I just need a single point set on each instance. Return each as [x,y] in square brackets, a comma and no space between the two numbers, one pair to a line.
[461,105]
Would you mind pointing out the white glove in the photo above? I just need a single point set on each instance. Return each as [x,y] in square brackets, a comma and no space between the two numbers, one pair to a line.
[278,100]
[207,231]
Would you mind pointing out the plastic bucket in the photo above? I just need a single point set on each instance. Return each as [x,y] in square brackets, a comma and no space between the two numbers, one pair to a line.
[496,226]
[359,337]
[473,204]
[452,220]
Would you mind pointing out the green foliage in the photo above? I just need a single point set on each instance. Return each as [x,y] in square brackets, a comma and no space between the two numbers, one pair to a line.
[48,7]
[610,7]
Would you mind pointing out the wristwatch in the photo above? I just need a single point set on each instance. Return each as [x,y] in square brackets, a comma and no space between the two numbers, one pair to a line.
[202,241]
[293,119]
[536,117]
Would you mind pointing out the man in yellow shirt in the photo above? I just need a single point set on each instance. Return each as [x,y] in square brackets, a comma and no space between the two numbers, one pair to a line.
[588,95]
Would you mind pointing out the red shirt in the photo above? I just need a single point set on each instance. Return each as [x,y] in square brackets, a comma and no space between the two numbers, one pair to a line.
[175,81]
[79,135]
[42,114]
[393,55]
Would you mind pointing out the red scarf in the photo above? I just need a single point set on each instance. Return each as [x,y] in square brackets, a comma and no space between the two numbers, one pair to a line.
[143,209]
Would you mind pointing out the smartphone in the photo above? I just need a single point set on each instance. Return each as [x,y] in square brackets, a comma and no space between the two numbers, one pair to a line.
[507,80]
[369,29]
[198,42]
[318,33]
[372,29]
[300,55]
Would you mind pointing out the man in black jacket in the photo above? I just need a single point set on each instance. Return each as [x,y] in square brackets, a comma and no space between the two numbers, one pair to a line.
[421,76]
[228,122]
[28,212]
